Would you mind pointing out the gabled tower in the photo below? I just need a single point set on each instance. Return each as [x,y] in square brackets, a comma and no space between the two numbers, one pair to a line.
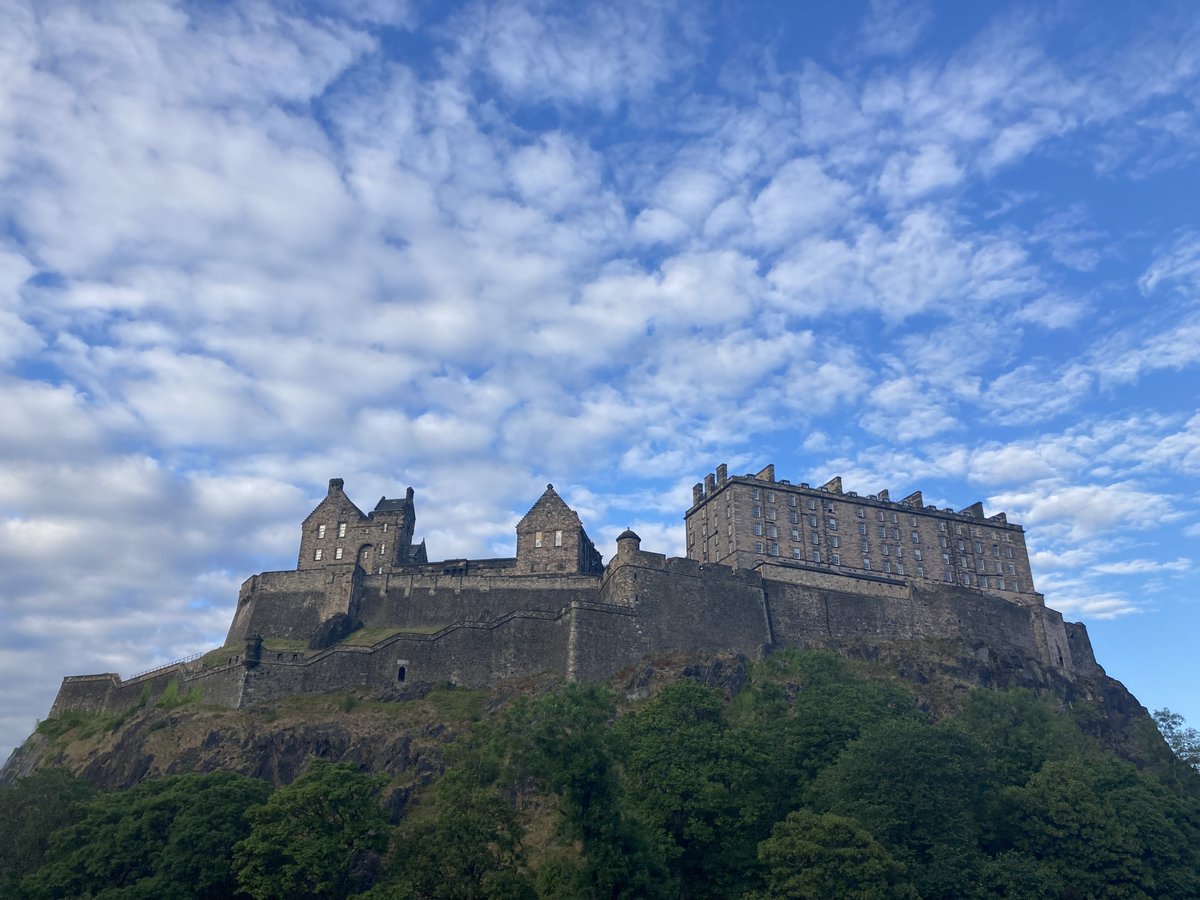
[551,540]
[328,536]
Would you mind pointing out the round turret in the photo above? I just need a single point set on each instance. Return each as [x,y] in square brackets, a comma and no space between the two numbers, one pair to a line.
[628,541]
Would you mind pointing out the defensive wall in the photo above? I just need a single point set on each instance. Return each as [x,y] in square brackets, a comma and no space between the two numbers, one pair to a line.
[475,630]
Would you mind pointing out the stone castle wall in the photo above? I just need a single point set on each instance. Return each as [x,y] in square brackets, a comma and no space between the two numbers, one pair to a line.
[473,623]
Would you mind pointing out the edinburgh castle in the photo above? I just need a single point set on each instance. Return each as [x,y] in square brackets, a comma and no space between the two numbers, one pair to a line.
[769,564]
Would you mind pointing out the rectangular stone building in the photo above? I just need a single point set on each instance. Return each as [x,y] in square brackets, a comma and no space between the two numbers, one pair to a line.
[744,520]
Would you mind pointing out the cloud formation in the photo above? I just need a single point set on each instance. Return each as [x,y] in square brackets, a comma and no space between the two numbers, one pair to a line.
[485,245]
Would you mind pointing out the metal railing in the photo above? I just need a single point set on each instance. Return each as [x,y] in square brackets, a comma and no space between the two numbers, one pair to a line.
[177,662]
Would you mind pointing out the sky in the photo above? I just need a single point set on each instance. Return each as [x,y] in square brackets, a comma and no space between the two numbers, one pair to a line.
[477,247]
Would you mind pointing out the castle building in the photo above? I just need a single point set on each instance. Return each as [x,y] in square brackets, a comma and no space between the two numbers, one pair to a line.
[745,520]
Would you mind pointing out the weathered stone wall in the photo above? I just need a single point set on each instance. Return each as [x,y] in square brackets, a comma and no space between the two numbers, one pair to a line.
[290,605]
[88,693]
[802,614]
[425,601]
[472,654]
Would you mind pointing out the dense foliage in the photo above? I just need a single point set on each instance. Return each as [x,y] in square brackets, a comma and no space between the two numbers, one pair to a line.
[815,781]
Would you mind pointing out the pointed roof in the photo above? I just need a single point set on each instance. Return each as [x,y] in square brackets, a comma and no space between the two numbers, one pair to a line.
[549,504]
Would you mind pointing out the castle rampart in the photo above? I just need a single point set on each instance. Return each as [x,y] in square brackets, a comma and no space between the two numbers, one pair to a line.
[555,608]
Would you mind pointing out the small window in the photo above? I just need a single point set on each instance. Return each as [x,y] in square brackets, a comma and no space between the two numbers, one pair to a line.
[862,527]
[341,529]
[792,502]
[317,554]
[887,566]
[1008,552]
[864,545]
[537,539]
[771,514]
[758,547]
[795,534]
[772,531]
[866,564]
[816,538]
[1012,570]
[753,493]
[831,524]
[401,673]
[894,520]
[861,513]
[834,541]
[916,537]
[886,550]
[774,549]
[920,571]
[558,536]
[879,515]
[947,575]
[337,554]
[917,553]
[320,531]
[385,524]
[770,496]
[941,526]
[835,560]
[899,568]
[983,581]
[758,529]
[812,504]
[794,517]
[883,531]
[382,549]
[796,553]
[816,556]
[756,511]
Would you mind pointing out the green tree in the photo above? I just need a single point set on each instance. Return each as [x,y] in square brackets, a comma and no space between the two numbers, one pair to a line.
[317,837]
[469,849]
[1183,741]
[820,856]
[1082,845]
[921,791]
[1020,729]
[32,808]
[696,782]
[562,743]
[167,837]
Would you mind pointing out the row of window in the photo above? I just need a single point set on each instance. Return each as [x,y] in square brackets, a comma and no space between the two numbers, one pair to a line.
[341,530]
[880,515]
[538,539]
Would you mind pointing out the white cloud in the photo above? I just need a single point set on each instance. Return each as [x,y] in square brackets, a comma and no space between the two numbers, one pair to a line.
[892,28]
[799,199]
[1142,566]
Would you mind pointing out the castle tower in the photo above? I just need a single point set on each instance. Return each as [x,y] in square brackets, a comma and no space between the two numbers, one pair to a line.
[328,535]
[551,539]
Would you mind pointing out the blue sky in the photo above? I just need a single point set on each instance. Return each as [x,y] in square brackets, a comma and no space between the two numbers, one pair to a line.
[479,247]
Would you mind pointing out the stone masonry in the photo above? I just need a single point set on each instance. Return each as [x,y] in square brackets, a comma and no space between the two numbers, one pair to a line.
[556,607]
